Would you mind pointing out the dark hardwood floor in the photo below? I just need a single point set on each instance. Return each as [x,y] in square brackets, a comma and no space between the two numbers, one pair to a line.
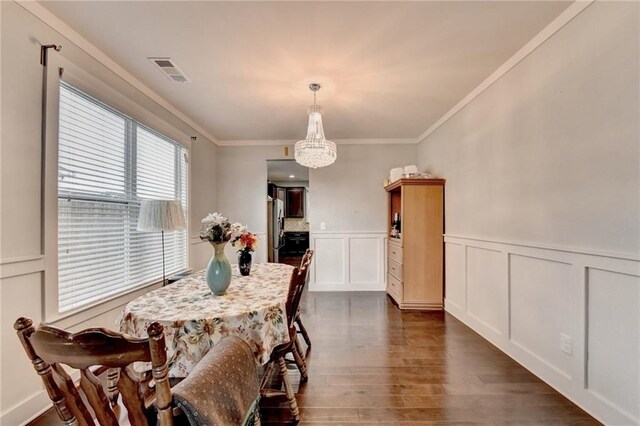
[372,364]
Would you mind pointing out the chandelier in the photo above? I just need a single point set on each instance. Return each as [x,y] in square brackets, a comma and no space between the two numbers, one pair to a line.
[315,150]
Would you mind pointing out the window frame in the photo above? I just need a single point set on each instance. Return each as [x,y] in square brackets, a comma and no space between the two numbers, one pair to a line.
[59,70]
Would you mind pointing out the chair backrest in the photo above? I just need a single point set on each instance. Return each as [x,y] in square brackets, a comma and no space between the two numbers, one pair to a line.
[291,294]
[299,278]
[49,347]
[306,263]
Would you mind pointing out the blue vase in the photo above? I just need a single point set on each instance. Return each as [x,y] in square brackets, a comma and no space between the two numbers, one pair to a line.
[218,270]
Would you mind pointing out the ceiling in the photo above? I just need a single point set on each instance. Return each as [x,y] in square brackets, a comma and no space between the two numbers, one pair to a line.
[280,170]
[388,69]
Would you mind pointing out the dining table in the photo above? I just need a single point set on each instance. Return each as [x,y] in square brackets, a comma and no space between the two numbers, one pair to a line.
[194,319]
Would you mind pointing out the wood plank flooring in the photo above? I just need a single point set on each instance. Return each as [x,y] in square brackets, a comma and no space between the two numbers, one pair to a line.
[370,364]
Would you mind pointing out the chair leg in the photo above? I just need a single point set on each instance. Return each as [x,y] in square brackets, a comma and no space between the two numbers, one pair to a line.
[268,371]
[295,413]
[300,363]
[303,331]
[299,348]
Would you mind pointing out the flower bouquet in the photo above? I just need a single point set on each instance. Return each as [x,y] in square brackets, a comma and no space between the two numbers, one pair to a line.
[218,231]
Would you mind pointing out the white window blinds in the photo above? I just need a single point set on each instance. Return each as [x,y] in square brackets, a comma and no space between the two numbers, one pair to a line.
[107,164]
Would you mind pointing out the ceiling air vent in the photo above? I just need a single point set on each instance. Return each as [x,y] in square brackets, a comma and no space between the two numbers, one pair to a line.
[170,69]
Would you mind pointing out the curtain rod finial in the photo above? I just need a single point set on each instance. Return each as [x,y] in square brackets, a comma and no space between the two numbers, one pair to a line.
[44,49]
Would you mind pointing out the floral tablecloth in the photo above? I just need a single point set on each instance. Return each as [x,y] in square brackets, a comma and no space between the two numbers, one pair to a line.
[194,320]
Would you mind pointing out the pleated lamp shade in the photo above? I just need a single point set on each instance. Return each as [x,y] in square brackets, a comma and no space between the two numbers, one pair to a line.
[161,215]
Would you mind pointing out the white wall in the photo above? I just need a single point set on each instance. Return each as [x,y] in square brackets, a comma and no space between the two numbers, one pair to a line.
[543,209]
[348,196]
[22,264]
[204,196]
[242,189]
[350,199]
[550,151]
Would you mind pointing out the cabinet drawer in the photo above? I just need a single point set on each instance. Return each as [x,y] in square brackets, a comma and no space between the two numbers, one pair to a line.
[395,269]
[395,253]
[394,287]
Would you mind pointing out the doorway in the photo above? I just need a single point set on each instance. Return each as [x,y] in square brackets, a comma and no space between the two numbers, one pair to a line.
[287,211]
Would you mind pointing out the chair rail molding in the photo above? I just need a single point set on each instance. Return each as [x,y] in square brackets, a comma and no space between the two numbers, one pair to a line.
[348,261]
[22,265]
[571,316]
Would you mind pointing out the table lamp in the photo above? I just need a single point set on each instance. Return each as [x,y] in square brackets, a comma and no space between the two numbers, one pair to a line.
[161,215]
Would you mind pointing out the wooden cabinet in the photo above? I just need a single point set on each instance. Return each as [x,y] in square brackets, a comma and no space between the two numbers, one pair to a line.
[275,191]
[415,277]
[294,205]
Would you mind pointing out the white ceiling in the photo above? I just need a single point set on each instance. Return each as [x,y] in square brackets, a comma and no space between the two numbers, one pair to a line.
[280,170]
[388,69]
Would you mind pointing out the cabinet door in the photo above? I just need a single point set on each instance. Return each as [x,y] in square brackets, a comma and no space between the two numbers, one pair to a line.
[303,244]
[295,202]
[289,247]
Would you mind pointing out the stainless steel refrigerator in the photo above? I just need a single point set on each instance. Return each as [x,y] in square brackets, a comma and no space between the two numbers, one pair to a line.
[275,228]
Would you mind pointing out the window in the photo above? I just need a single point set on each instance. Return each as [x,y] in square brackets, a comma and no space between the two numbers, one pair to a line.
[107,164]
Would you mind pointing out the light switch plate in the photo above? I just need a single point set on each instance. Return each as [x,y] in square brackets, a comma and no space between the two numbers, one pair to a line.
[323,226]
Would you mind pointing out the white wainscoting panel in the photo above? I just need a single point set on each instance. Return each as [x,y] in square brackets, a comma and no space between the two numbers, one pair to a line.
[523,297]
[614,339]
[364,260]
[487,288]
[455,271]
[21,296]
[329,262]
[348,261]
[543,306]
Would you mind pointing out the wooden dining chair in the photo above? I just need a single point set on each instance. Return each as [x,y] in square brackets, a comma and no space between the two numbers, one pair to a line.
[304,264]
[147,397]
[277,359]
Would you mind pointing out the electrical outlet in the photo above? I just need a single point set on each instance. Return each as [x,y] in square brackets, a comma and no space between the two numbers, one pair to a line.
[566,344]
[323,226]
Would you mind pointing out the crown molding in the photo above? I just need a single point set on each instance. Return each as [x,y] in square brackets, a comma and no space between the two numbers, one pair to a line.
[43,14]
[76,38]
[560,21]
[289,142]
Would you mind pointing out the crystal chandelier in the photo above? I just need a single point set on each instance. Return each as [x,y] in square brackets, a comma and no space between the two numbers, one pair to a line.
[315,150]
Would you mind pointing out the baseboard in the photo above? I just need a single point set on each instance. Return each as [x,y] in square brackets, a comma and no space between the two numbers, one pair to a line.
[27,410]
[421,306]
[345,286]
